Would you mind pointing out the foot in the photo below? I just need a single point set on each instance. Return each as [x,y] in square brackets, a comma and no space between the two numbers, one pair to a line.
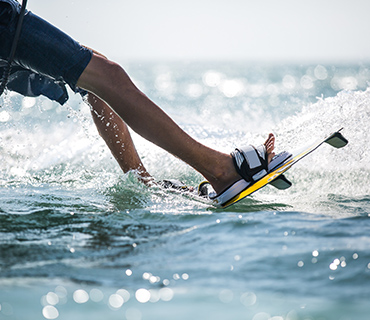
[270,146]
[229,175]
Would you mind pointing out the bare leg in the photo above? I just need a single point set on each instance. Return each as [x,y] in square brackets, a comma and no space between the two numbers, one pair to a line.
[110,82]
[116,135]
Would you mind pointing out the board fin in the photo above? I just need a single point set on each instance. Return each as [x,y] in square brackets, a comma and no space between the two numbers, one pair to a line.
[281,182]
[337,140]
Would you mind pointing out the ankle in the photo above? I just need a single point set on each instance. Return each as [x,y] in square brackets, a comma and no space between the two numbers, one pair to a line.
[224,175]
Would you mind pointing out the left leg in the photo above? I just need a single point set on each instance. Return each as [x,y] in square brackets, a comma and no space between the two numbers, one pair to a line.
[116,135]
[110,82]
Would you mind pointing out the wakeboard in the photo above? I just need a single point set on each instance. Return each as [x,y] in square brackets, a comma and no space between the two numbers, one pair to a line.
[276,176]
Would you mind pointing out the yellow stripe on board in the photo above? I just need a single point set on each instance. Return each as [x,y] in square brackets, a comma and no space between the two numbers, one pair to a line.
[271,176]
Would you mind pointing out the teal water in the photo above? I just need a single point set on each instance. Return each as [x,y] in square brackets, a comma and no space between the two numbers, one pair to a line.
[80,240]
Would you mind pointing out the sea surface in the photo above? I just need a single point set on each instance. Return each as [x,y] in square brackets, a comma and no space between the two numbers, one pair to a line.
[81,240]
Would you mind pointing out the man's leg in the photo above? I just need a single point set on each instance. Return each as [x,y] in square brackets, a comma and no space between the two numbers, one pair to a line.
[41,42]
[116,135]
[110,82]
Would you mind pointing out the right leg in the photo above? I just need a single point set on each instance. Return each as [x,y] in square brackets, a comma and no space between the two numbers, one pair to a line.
[111,83]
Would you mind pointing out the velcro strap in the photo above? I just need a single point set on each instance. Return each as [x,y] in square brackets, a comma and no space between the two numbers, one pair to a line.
[250,162]
[251,155]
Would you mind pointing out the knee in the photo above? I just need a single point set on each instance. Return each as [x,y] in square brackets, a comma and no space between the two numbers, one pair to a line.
[104,74]
[117,78]
[111,71]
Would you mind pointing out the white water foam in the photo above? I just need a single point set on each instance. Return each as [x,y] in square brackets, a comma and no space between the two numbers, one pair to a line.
[329,177]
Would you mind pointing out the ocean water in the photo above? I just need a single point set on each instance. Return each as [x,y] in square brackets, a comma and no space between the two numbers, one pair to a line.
[81,240]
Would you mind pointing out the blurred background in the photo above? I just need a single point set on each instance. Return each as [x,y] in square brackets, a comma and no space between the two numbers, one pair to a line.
[288,30]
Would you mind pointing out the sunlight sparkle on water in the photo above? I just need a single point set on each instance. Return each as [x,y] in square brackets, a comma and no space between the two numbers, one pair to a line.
[50,312]
[154,279]
[52,298]
[248,299]
[289,82]
[115,301]
[320,72]
[232,88]
[4,116]
[28,102]
[185,276]
[96,295]
[344,83]
[166,294]
[212,78]
[146,275]
[226,296]
[124,294]
[62,294]
[307,82]
[151,278]
[154,295]
[80,296]
[142,295]
[338,262]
